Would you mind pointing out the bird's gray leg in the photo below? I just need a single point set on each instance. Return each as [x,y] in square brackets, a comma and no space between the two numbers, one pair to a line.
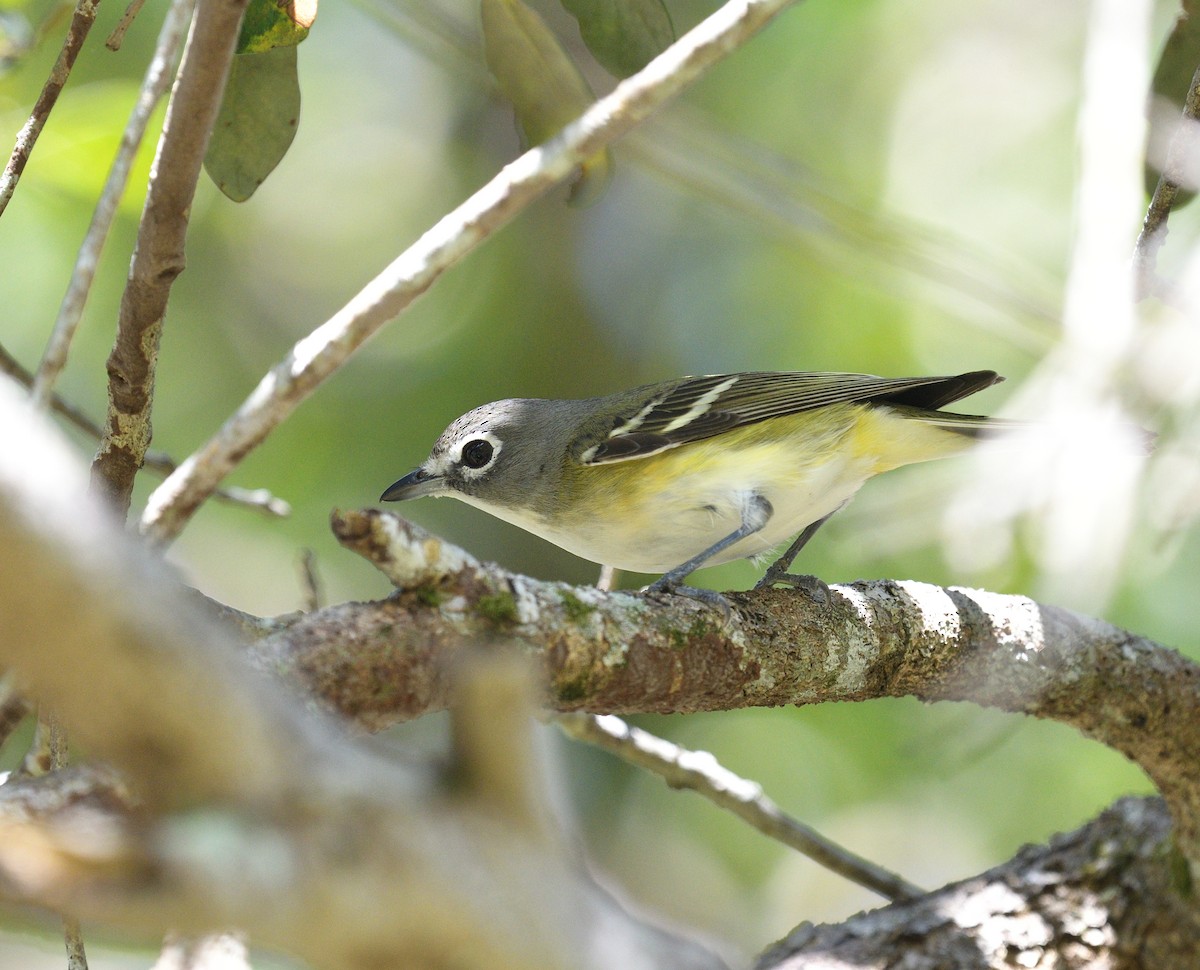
[756,514]
[778,570]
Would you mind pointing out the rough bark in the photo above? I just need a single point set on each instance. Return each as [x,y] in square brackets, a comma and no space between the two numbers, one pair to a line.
[1102,896]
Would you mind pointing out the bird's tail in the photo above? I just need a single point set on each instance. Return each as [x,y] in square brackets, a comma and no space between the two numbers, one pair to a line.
[970,425]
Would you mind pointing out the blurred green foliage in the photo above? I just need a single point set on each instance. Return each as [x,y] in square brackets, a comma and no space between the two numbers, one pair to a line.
[541,81]
[877,186]
[623,35]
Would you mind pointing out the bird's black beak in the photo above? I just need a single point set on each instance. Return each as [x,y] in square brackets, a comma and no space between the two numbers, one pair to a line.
[413,485]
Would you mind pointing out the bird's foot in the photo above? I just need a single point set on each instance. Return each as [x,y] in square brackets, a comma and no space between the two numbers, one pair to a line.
[707,596]
[817,589]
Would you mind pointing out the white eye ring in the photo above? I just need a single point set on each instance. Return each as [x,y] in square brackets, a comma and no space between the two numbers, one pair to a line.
[483,448]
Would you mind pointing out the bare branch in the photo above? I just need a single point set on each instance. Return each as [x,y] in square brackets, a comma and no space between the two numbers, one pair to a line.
[1180,155]
[258,499]
[310,582]
[154,86]
[702,773]
[323,351]
[73,935]
[159,256]
[1075,904]
[117,37]
[81,23]
[627,653]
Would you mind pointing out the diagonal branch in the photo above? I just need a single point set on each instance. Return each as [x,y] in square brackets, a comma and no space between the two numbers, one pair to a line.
[81,24]
[700,771]
[322,352]
[163,464]
[159,256]
[1181,154]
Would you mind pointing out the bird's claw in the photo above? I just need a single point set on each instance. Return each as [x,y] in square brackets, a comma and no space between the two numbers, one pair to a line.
[816,588]
[707,596]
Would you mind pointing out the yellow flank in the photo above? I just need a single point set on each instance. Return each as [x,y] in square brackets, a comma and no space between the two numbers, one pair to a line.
[650,514]
[892,438]
[871,439]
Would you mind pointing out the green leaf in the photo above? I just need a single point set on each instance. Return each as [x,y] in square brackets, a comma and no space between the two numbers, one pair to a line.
[275,23]
[542,82]
[257,121]
[623,35]
[533,71]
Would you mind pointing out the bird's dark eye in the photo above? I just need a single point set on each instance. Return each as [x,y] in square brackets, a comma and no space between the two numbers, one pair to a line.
[477,453]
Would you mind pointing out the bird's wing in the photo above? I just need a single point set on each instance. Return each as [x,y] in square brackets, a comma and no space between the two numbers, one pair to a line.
[700,407]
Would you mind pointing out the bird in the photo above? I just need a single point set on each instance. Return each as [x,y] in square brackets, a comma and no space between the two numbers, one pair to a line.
[695,471]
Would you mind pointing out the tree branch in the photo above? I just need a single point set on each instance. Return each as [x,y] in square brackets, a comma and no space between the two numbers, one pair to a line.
[626,653]
[323,351]
[81,24]
[154,86]
[702,773]
[1181,154]
[265,817]
[159,462]
[117,37]
[159,256]
[1080,902]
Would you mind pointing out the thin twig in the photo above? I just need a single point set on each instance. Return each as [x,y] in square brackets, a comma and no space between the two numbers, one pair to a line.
[159,256]
[322,352]
[700,771]
[81,23]
[1180,152]
[73,936]
[117,37]
[48,749]
[310,582]
[154,87]
[258,499]
[56,747]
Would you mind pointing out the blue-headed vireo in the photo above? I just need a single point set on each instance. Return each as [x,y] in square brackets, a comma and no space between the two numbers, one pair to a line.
[696,471]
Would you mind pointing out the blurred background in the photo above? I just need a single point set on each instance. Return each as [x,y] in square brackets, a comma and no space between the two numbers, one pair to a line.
[885,186]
